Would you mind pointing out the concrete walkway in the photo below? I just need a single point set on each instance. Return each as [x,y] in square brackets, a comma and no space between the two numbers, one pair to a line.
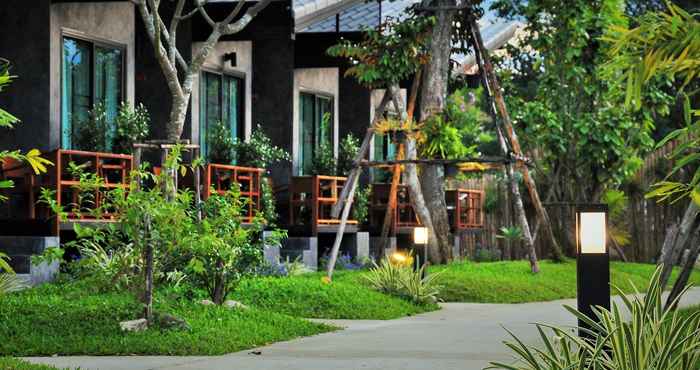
[461,336]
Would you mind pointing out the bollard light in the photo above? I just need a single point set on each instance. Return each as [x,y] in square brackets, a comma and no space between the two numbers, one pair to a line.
[592,261]
[420,237]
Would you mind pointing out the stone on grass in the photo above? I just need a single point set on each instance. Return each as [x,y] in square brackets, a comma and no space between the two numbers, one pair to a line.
[134,325]
[169,322]
[207,302]
[235,304]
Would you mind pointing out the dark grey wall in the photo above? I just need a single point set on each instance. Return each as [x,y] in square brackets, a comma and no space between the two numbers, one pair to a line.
[151,87]
[24,40]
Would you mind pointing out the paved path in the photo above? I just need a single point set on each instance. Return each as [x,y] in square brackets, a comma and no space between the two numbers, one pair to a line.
[461,336]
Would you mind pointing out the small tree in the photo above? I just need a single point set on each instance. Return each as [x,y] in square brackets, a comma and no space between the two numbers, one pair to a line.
[179,73]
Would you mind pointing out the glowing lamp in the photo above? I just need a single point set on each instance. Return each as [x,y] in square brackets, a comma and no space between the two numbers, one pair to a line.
[590,231]
[420,235]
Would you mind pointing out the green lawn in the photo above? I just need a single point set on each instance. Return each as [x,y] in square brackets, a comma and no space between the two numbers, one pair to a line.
[70,320]
[512,282]
[307,296]
[9,363]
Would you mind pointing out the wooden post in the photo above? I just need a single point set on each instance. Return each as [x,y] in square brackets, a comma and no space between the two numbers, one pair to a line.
[197,183]
[391,204]
[492,81]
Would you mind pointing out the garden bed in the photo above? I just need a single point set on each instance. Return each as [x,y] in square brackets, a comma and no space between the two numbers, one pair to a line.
[512,282]
[9,363]
[72,319]
[308,296]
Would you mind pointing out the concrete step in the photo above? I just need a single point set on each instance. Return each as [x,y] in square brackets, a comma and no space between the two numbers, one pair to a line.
[27,245]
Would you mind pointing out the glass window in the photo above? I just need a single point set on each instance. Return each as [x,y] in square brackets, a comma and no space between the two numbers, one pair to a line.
[384,150]
[91,74]
[221,100]
[316,127]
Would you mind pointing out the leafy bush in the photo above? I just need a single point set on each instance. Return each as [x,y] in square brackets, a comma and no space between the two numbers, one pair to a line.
[344,262]
[653,337]
[323,162]
[403,281]
[96,133]
[268,203]
[360,204]
[258,151]
[222,147]
[487,255]
[283,268]
[349,147]
[132,125]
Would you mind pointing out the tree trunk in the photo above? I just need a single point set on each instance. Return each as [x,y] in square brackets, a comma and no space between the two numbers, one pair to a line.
[433,186]
[219,284]
[688,268]
[148,272]
[178,114]
[432,101]
[486,69]
[672,254]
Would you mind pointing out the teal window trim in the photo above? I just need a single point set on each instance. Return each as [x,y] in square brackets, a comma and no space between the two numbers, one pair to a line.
[229,98]
[314,131]
[97,88]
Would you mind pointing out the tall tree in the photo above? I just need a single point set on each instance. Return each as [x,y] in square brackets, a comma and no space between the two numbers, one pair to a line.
[180,74]
[667,44]
[571,114]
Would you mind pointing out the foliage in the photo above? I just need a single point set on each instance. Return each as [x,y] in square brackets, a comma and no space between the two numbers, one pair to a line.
[131,125]
[308,296]
[388,54]
[510,233]
[344,262]
[9,363]
[9,282]
[93,132]
[653,337]
[222,147]
[75,319]
[360,204]
[268,203]
[48,256]
[287,267]
[457,131]
[568,108]
[323,162]
[403,281]
[487,255]
[258,151]
[617,202]
[349,147]
[223,251]
[663,45]
[511,282]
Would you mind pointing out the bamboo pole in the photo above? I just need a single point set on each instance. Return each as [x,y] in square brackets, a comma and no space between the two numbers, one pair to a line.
[492,81]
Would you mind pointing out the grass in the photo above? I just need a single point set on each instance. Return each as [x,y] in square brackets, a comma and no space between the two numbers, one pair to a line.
[307,296]
[512,282]
[9,363]
[70,319]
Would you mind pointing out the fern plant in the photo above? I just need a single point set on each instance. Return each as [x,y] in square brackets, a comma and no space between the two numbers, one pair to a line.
[403,281]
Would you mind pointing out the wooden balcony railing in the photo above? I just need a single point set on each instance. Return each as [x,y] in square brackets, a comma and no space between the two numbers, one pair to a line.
[221,177]
[464,206]
[404,216]
[467,208]
[79,204]
[311,199]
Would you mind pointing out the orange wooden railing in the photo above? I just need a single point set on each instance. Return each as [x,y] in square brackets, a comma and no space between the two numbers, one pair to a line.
[220,178]
[468,208]
[317,194]
[113,169]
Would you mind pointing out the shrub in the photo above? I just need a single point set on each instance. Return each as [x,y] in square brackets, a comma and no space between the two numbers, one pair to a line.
[324,162]
[132,124]
[360,204]
[651,337]
[222,147]
[487,255]
[403,281]
[344,262]
[349,147]
[258,151]
[91,133]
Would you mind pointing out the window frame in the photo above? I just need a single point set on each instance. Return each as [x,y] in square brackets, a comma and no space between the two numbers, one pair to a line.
[241,76]
[316,124]
[95,42]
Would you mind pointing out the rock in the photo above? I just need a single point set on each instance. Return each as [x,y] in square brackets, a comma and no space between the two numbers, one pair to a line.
[169,322]
[235,304]
[207,302]
[134,325]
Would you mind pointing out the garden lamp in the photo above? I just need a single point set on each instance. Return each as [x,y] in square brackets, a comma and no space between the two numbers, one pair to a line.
[592,261]
[420,237]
